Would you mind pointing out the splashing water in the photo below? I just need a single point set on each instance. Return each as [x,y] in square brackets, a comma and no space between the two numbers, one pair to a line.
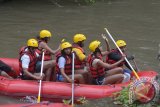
[29,99]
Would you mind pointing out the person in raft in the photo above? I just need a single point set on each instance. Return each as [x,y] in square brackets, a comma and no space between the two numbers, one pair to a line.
[80,56]
[97,67]
[49,63]
[5,69]
[27,61]
[64,65]
[115,56]
[77,47]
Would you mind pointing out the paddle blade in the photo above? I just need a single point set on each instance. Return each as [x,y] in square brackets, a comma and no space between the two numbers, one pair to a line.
[63,40]
[38,100]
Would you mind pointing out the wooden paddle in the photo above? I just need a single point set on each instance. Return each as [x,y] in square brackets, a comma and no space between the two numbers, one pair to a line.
[135,73]
[40,83]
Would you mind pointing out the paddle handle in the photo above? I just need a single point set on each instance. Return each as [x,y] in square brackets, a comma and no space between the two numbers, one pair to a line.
[73,57]
[40,83]
[122,53]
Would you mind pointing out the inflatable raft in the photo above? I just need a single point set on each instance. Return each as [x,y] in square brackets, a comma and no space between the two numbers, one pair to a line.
[58,90]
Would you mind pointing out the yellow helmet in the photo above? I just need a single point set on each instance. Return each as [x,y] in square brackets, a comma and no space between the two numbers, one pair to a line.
[65,45]
[93,45]
[121,43]
[32,43]
[78,38]
[45,33]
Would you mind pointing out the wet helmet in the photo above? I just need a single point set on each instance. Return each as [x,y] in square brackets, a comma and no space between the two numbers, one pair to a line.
[32,43]
[93,45]
[45,33]
[121,43]
[65,45]
[78,38]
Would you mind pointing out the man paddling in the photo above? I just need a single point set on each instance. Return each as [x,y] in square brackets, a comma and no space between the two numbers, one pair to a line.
[27,61]
[49,63]
[80,56]
[80,59]
[115,56]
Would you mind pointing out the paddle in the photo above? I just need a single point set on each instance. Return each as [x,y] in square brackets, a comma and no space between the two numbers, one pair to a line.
[40,83]
[127,62]
[73,56]
[108,49]
[135,65]
[122,53]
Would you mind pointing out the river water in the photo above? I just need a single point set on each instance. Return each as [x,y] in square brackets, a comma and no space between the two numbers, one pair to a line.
[135,21]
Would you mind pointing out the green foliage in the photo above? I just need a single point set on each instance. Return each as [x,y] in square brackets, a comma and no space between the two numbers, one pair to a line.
[82,100]
[66,101]
[123,98]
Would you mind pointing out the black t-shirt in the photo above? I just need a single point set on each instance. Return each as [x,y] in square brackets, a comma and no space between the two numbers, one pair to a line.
[116,56]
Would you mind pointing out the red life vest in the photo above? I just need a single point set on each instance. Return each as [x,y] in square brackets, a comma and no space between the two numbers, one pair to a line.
[68,64]
[111,60]
[33,60]
[47,55]
[95,72]
[78,64]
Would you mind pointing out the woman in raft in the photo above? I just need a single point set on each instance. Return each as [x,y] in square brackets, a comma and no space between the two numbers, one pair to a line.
[103,73]
[64,65]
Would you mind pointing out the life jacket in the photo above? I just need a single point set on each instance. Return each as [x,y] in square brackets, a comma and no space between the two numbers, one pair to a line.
[95,72]
[112,57]
[47,54]
[68,64]
[78,64]
[33,60]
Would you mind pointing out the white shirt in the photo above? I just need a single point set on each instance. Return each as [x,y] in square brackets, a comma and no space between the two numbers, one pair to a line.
[61,62]
[94,63]
[26,60]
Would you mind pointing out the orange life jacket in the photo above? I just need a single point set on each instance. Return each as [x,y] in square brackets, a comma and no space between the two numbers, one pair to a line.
[47,55]
[68,64]
[33,60]
[95,72]
[78,64]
